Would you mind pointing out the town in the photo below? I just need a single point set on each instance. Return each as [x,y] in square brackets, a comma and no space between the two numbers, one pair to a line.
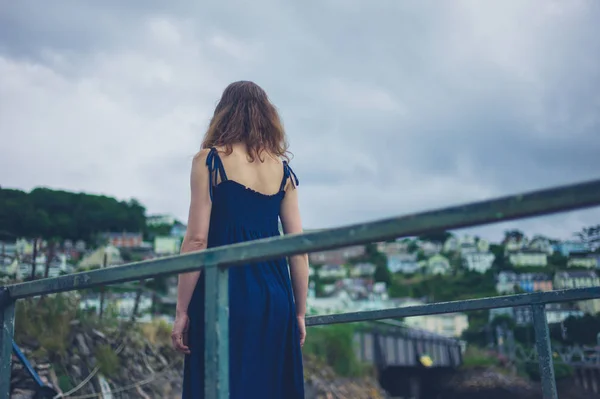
[403,272]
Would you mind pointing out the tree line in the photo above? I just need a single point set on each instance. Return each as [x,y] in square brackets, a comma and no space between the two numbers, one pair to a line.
[59,215]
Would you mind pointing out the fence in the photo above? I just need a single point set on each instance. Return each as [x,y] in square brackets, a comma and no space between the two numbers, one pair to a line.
[216,261]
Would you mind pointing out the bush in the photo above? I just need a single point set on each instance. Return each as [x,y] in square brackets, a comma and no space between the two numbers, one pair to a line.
[334,345]
[47,320]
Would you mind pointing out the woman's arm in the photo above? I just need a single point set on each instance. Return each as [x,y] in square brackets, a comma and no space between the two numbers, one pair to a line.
[292,224]
[196,235]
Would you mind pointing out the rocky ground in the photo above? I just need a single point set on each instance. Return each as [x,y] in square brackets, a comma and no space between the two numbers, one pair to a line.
[141,364]
[485,383]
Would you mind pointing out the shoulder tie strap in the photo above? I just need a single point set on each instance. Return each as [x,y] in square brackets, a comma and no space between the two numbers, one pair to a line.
[287,173]
[215,165]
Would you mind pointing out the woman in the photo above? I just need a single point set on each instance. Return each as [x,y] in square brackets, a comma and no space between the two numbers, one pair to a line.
[241,184]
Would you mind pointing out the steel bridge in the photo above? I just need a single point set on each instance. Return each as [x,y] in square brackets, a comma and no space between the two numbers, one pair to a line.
[216,262]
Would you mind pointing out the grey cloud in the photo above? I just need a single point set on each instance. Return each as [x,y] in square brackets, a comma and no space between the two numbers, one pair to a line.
[391,108]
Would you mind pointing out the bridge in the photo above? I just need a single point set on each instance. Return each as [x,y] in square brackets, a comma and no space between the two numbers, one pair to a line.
[215,263]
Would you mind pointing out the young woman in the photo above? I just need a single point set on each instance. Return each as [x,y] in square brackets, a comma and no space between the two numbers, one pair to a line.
[241,186]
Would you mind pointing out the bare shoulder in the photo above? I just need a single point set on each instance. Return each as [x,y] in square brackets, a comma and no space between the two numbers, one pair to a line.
[200,158]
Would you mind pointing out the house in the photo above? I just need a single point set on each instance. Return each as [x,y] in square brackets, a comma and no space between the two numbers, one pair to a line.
[332,271]
[438,264]
[528,258]
[478,261]
[178,230]
[507,282]
[542,244]
[124,240]
[483,245]
[97,258]
[579,279]
[449,325]
[576,279]
[514,244]
[429,248]
[159,220]
[56,266]
[402,263]
[467,248]
[582,259]
[362,270]
[566,247]
[337,256]
[555,313]
[389,248]
[452,244]
[8,252]
[167,245]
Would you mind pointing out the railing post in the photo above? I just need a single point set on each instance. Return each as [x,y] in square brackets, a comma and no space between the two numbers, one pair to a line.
[542,342]
[7,321]
[216,344]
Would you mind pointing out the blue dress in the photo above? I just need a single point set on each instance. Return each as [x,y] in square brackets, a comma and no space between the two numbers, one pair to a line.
[265,358]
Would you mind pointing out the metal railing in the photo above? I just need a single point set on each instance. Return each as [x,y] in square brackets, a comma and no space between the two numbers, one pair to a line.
[216,261]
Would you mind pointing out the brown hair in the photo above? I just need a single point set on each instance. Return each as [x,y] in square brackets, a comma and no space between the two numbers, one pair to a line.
[245,115]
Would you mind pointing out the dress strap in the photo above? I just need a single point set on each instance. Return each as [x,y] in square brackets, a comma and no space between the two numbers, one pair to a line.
[215,169]
[287,173]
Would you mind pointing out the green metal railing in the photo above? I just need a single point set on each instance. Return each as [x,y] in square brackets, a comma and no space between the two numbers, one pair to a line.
[216,261]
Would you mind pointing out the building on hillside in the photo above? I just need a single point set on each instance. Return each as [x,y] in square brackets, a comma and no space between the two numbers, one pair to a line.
[389,248]
[449,325]
[582,259]
[508,282]
[96,258]
[576,279]
[362,270]
[167,245]
[478,261]
[513,244]
[178,230]
[528,258]
[124,239]
[483,245]
[452,244]
[56,267]
[159,220]
[430,248]
[555,313]
[541,244]
[566,247]
[8,253]
[402,263]
[337,256]
[332,271]
[579,279]
[438,264]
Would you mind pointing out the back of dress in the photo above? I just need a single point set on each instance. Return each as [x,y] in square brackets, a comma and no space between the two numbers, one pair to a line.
[265,354]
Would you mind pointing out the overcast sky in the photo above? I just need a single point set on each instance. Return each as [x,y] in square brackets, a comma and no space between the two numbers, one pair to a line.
[391,106]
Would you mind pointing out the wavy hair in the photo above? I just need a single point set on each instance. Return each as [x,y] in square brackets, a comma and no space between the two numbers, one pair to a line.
[246,115]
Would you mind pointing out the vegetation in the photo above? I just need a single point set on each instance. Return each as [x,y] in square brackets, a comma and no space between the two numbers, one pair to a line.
[334,346]
[53,214]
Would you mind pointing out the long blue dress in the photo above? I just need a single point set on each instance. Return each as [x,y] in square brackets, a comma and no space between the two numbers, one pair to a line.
[265,358]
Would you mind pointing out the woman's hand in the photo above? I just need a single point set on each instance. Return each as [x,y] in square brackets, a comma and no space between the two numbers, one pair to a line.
[179,335]
[301,329]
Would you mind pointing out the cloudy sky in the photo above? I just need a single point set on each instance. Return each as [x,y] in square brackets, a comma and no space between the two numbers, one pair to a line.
[391,106]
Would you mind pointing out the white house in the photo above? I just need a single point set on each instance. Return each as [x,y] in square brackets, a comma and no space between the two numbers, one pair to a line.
[478,261]
[438,264]
[402,263]
[362,270]
[332,271]
[524,257]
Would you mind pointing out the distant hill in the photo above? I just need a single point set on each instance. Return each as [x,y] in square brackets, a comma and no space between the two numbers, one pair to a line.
[55,214]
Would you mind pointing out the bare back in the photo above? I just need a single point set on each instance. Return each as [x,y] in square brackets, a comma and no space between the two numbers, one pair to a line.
[262,176]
